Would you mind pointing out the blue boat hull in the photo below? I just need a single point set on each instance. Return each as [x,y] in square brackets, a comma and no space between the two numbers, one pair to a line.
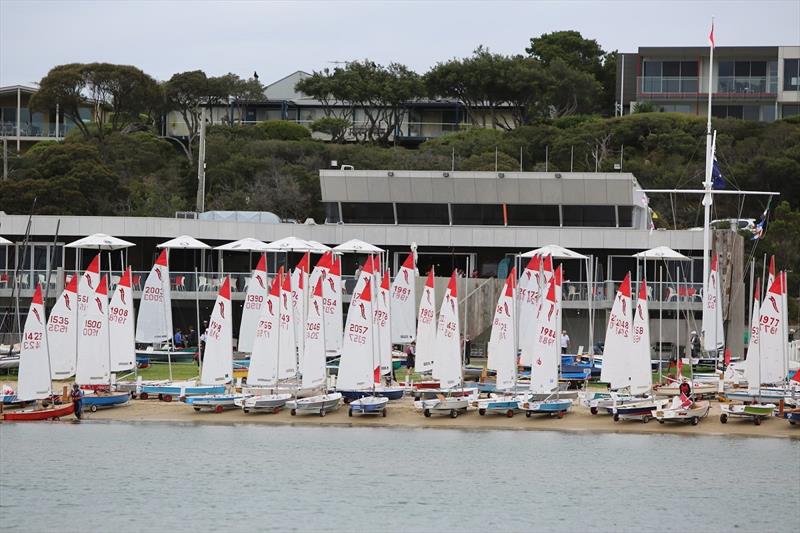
[176,391]
[106,400]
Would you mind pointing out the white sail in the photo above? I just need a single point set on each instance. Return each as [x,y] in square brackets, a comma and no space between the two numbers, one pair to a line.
[62,330]
[94,359]
[218,353]
[618,338]
[558,277]
[528,306]
[357,366]
[299,300]
[502,346]
[254,301]
[154,322]
[447,357]
[89,281]
[544,370]
[772,363]
[752,370]
[713,334]
[367,273]
[640,376]
[332,300]
[263,368]
[383,326]
[313,367]
[426,328]
[120,325]
[287,349]
[33,382]
[403,301]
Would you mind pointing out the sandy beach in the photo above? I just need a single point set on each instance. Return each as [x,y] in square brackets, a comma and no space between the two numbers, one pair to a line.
[402,414]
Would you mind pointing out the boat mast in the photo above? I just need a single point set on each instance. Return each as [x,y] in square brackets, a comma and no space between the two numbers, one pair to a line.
[44,304]
[707,197]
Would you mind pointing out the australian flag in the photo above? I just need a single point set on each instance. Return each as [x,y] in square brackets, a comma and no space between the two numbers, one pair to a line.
[717,180]
[761,226]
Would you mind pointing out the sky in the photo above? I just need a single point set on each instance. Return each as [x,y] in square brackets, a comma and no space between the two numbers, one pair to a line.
[278,38]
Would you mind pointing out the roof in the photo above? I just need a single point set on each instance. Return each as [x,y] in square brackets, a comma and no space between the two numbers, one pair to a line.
[22,88]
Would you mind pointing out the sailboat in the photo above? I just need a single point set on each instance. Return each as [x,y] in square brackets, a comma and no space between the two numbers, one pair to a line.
[217,370]
[262,377]
[403,298]
[426,334]
[299,282]
[713,333]
[93,368]
[451,398]
[503,354]
[637,374]
[546,357]
[528,304]
[253,302]
[332,305]
[154,321]
[360,369]
[121,327]
[313,372]
[766,363]
[34,380]
[62,329]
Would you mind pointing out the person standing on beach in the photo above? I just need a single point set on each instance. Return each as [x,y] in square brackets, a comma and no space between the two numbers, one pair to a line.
[77,399]
[467,350]
[410,359]
[564,341]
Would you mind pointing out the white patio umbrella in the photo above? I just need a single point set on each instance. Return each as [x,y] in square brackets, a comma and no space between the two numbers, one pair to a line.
[4,242]
[320,248]
[100,241]
[356,246]
[184,242]
[662,252]
[555,251]
[248,244]
[293,244]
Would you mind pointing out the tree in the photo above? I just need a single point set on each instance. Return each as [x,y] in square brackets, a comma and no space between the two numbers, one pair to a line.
[335,127]
[569,91]
[185,93]
[121,95]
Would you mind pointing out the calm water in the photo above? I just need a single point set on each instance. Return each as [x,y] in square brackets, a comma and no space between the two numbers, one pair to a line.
[131,477]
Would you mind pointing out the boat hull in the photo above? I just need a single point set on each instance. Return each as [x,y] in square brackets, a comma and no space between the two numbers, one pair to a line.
[51,413]
[391,393]
[320,404]
[214,402]
[375,405]
[164,356]
[271,403]
[555,407]
[101,400]
[168,391]
[452,406]
[667,413]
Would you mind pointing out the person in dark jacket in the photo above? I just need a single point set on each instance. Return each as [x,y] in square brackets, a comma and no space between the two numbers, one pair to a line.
[77,399]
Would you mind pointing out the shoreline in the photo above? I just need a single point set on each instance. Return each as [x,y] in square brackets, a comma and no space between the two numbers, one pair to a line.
[401,414]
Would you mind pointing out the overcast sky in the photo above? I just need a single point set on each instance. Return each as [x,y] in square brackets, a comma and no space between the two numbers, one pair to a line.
[277,38]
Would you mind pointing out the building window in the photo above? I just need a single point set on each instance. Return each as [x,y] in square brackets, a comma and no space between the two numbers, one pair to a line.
[533,215]
[625,216]
[743,77]
[332,212]
[591,216]
[478,214]
[669,77]
[768,113]
[367,213]
[790,110]
[791,74]
[429,214]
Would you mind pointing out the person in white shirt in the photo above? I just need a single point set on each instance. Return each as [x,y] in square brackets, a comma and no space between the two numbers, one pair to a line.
[564,341]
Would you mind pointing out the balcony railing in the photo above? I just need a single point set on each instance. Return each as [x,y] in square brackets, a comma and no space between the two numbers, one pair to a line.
[9,129]
[686,87]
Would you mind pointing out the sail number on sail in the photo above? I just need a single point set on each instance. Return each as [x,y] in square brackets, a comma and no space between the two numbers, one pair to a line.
[253,301]
[58,324]
[91,328]
[154,294]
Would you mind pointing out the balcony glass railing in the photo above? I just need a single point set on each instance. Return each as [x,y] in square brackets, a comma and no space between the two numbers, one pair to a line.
[44,130]
[731,85]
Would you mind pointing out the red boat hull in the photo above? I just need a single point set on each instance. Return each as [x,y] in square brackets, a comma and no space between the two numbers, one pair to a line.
[41,414]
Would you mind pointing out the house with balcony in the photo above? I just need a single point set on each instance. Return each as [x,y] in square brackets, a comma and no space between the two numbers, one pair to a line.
[21,126]
[748,82]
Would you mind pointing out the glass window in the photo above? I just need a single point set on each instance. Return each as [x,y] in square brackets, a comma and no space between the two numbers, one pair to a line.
[672,68]
[332,212]
[688,68]
[735,111]
[533,215]
[432,214]
[589,215]
[478,214]
[772,68]
[726,68]
[791,74]
[719,111]
[758,68]
[790,110]
[625,215]
[741,68]
[768,113]
[750,112]
[652,68]
[367,213]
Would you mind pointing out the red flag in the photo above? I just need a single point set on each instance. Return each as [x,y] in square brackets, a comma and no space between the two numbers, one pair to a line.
[727,356]
[376,374]
[680,368]
[796,376]
[711,35]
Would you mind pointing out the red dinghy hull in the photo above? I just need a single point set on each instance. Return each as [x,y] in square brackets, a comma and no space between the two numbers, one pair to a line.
[50,413]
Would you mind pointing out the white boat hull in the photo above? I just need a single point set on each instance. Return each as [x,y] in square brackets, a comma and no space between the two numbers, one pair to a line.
[321,404]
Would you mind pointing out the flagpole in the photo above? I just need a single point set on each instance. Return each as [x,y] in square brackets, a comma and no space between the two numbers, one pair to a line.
[709,161]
